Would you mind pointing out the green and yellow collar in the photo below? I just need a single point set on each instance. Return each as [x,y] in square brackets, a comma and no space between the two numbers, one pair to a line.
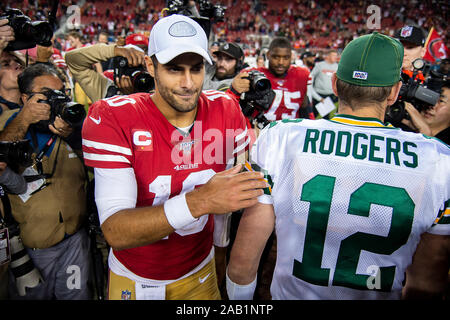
[360,121]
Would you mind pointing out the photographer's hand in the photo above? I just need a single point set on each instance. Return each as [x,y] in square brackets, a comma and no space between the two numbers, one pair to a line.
[33,111]
[134,57]
[125,85]
[417,122]
[60,127]
[240,83]
[3,166]
[44,53]
[6,34]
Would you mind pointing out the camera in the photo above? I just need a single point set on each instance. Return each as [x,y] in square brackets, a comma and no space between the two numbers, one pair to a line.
[142,80]
[258,81]
[258,99]
[422,94]
[207,11]
[214,12]
[27,33]
[16,153]
[22,267]
[61,105]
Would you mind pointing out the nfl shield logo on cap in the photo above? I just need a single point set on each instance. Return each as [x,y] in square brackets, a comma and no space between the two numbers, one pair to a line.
[406,32]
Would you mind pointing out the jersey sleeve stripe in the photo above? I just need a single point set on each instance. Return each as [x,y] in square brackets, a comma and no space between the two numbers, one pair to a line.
[105,157]
[267,178]
[106,147]
[242,146]
[444,215]
[241,135]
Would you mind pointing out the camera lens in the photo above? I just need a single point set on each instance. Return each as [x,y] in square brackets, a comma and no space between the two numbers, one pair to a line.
[261,84]
[42,32]
[73,113]
[143,81]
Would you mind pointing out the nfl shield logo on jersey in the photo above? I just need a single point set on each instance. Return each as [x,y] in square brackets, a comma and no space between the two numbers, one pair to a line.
[406,32]
[126,295]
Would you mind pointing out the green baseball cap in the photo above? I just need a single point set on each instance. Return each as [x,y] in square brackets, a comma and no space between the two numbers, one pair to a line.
[373,60]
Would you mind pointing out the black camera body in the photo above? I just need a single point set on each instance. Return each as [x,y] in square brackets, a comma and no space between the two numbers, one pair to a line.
[422,94]
[258,99]
[206,9]
[61,105]
[214,12]
[142,80]
[16,153]
[208,12]
[27,33]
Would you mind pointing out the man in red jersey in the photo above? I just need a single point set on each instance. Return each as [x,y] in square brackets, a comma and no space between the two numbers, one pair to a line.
[288,81]
[159,162]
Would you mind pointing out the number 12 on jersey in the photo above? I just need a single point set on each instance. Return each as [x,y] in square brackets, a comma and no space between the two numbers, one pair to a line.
[319,193]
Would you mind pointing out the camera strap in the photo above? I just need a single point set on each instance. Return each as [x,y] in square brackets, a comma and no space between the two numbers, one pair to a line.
[40,156]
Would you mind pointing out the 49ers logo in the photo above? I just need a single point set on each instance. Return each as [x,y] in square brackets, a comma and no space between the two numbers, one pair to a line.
[142,140]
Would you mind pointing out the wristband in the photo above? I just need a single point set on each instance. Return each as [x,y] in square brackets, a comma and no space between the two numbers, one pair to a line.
[240,292]
[233,90]
[177,212]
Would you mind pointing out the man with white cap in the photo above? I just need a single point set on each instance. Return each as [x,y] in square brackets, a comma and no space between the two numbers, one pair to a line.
[159,162]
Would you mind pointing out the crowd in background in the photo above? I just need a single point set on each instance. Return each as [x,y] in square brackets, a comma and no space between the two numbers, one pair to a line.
[312,24]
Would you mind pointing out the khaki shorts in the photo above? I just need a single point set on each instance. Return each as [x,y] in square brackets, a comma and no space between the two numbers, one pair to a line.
[201,285]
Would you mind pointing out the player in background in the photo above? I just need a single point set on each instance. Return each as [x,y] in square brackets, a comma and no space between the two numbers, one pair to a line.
[354,201]
[159,162]
[288,81]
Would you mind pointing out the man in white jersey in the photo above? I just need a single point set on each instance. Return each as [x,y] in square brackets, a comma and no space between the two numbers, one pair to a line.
[352,200]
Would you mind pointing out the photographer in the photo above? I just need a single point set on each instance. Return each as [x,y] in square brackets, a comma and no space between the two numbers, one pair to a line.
[413,41]
[289,83]
[52,211]
[434,121]
[421,84]
[13,183]
[228,63]
[10,67]
[96,85]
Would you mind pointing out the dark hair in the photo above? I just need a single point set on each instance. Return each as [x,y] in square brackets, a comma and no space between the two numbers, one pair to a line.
[446,84]
[355,96]
[280,42]
[26,78]
[75,34]
[154,60]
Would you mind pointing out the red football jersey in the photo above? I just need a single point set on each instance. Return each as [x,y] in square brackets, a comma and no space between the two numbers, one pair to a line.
[130,131]
[289,92]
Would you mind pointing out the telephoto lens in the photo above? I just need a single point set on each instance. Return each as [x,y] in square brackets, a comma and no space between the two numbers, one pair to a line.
[22,267]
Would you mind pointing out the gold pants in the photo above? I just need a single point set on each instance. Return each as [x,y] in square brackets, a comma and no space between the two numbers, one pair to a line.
[201,285]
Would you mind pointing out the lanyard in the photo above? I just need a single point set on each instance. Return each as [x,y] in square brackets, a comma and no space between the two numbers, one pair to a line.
[40,156]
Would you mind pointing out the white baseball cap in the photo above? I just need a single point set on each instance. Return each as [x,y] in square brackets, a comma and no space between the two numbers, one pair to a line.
[175,35]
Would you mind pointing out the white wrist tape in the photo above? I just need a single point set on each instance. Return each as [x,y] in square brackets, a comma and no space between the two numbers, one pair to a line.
[240,292]
[177,212]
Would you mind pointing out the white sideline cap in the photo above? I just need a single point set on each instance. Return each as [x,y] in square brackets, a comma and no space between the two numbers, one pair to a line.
[175,35]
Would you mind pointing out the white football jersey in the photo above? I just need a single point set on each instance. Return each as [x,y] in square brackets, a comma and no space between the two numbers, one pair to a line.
[351,198]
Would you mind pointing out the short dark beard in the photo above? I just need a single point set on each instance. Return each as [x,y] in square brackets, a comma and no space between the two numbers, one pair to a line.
[166,95]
